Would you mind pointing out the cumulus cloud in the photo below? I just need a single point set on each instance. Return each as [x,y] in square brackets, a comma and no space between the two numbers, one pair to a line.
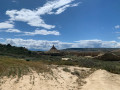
[117,26]
[6,24]
[13,31]
[28,16]
[46,45]
[97,44]
[42,32]
[88,43]
[33,17]
[32,44]
[36,32]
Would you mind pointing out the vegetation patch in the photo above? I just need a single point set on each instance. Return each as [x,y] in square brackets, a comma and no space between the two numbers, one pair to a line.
[111,66]
[66,69]
[82,75]
[17,67]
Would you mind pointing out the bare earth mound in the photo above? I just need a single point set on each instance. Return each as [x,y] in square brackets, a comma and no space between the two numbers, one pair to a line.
[64,78]
[102,80]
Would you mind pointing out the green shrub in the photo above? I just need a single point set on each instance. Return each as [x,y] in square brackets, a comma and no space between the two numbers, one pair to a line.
[112,68]
[27,59]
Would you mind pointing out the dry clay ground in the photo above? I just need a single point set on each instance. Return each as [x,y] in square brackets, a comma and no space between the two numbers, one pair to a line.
[61,78]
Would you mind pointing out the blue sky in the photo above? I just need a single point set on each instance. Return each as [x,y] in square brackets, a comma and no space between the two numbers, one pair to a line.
[38,24]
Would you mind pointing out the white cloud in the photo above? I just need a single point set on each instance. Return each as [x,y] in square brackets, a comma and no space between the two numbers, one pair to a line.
[76,4]
[52,5]
[36,32]
[62,9]
[6,24]
[117,26]
[97,44]
[1,38]
[42,32]
[46,45]
[13,30]
[28,16]
[118,37]
[33,17]
[32,44]
[117,32]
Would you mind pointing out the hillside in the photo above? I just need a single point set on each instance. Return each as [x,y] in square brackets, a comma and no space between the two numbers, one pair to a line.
[13,50]
[90,49]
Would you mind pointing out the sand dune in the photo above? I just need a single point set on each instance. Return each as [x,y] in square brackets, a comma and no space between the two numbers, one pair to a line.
[62,80]
[102,80]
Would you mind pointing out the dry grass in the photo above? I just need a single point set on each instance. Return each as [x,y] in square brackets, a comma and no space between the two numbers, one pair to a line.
[82,75]
[17,67]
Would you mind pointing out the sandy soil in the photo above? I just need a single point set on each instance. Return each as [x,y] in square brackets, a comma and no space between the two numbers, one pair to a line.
[62,80]
[102,80]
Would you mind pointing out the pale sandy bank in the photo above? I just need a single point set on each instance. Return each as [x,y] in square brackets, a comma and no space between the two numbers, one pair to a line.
[63,80]
[102,80]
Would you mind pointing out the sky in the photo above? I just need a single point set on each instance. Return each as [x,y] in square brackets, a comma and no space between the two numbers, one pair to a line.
[39,24]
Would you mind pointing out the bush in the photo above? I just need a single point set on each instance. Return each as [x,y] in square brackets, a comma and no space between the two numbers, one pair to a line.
[76,73]
[27,59]
[66,69]
[88,63]
[112,68]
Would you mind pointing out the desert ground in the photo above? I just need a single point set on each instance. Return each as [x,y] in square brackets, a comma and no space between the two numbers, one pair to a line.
[64,78]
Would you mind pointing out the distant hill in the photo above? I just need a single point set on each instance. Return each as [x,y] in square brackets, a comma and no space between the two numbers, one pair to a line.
[90,49]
